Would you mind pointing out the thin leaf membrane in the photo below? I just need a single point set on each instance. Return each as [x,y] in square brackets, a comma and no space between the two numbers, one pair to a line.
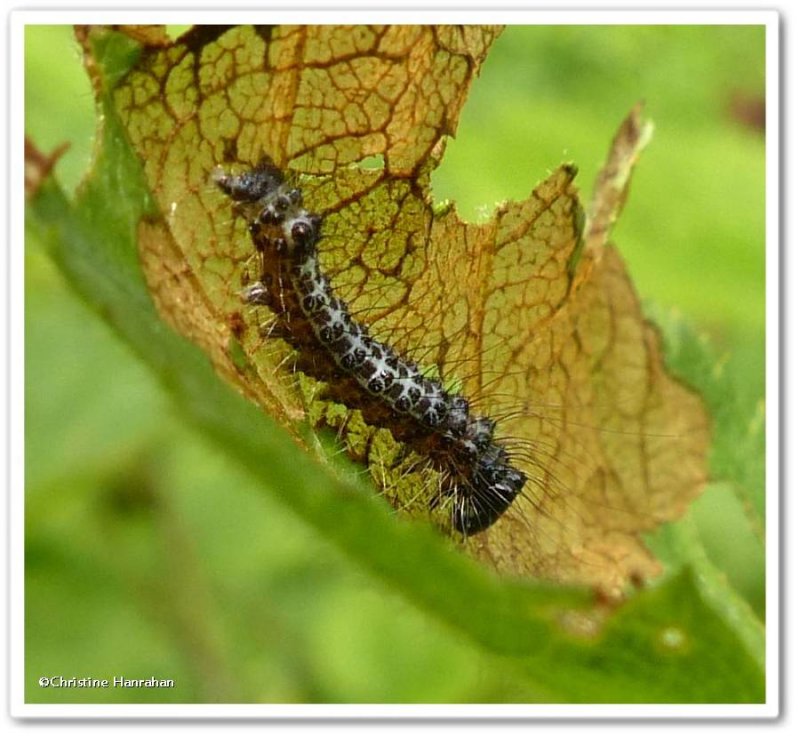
[531,314]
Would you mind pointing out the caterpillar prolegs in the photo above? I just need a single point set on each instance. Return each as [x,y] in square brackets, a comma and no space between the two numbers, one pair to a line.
[478,475]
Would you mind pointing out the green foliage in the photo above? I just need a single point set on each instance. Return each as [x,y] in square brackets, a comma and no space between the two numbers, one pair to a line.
[165,545]
[703,166]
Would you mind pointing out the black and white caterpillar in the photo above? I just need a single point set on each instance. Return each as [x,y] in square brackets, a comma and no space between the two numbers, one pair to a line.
[364,373]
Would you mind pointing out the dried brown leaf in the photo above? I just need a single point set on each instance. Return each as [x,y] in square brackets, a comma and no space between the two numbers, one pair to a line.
[540,326]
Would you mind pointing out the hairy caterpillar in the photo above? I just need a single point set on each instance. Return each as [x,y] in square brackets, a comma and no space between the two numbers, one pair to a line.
[479,477]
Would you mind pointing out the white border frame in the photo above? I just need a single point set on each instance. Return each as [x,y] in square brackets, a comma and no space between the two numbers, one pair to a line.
[18,707]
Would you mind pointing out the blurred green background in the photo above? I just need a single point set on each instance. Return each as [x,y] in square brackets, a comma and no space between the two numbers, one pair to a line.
[149,553]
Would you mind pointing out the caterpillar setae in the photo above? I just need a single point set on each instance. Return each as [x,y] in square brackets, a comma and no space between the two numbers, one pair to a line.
[478,475]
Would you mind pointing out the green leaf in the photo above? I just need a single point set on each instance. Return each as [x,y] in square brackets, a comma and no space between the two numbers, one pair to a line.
[737,468]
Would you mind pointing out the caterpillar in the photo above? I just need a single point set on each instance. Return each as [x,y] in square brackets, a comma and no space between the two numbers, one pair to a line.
[479,477]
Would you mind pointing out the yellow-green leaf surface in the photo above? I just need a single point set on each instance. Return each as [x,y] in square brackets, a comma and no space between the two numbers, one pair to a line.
[540,332]
[153,199]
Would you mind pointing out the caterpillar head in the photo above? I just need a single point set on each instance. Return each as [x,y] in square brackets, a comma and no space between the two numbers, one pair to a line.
[273,209]
[250,186]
